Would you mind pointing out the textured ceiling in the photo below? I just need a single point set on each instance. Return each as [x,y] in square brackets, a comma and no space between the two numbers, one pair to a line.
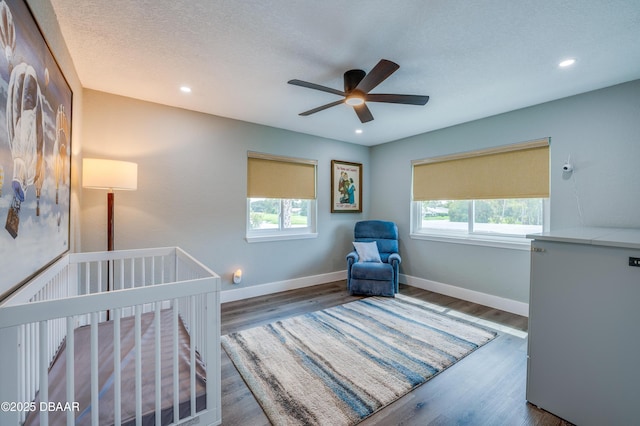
[474,59]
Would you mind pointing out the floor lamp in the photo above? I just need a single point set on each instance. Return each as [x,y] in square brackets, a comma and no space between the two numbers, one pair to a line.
[110,175]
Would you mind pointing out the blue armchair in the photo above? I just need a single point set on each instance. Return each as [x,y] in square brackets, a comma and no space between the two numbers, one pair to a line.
[374,272]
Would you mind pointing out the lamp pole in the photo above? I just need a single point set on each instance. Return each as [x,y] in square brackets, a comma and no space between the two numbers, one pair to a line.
[110,220]
[109,238]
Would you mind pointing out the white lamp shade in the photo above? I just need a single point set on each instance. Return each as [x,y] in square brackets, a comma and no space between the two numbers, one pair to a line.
[109,174]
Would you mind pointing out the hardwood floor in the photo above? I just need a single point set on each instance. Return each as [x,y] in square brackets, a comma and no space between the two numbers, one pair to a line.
[485,388]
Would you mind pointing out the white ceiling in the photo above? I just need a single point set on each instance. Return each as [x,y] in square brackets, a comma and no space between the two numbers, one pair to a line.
[474,59]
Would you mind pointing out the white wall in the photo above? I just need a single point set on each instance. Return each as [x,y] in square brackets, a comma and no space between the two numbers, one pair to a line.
[192,189]
[601,131]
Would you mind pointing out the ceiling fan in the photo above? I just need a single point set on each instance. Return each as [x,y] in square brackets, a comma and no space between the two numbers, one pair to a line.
[357,85]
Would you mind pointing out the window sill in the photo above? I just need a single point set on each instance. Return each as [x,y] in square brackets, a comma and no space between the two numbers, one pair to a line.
[512,243]
[279,237]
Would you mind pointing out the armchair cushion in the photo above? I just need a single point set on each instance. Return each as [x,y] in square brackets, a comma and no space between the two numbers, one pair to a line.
[372,271]
[367,252]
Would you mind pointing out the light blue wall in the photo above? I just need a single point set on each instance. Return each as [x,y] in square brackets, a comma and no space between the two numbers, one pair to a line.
[601,132]
[192,188]
[192,185]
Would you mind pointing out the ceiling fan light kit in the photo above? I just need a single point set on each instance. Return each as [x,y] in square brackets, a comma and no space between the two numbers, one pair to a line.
[357,85]
[354,99]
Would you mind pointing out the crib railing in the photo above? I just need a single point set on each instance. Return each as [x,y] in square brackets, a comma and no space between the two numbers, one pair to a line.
[86,289]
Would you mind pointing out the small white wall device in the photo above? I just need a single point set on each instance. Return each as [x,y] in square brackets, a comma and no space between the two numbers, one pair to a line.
[567,167]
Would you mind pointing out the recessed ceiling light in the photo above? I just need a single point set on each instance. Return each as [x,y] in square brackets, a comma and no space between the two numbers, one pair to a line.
[185,89]
[358,131]
[567,63]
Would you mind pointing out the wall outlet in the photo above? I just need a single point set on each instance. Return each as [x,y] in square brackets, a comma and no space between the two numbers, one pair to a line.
[634,261]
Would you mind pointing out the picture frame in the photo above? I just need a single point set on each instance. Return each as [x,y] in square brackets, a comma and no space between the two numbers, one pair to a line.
[35,150]
[346,187]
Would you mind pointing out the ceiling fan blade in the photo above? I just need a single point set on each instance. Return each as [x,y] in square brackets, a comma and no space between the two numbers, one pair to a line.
[316,87]
[320,108]
[377,75]
[363,113]
[397,99]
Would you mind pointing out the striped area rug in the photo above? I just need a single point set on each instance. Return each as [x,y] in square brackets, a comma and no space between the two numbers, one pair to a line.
[339,365]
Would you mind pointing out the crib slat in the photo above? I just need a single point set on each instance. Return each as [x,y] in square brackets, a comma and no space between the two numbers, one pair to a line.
[87,288]
[212,355]
[192,358]
[133,273]
[28,352]
[70,351]
[99,284]
[138,366]
[33,361]
[22,367]
[117,385]
[176,372]
[94,369]
[158,370]
[143,271]
[122,282]
[44,369]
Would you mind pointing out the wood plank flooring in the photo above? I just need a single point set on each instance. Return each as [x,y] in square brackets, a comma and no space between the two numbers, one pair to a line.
[485,388]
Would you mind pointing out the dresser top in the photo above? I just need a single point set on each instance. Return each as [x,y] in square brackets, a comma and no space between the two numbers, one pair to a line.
[612,237]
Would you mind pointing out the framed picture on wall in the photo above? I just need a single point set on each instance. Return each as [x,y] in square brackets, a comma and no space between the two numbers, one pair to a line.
[346,187]
[35,150]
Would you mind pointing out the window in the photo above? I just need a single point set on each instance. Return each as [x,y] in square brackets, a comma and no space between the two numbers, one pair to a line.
[494,196]
[502,217]
[279,214]
[281,198]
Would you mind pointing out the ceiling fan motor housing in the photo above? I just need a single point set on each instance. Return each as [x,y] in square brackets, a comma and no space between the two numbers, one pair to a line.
[352,78]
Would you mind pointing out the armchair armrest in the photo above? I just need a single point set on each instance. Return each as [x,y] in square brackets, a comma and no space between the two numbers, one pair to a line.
[352,258]
[394,259]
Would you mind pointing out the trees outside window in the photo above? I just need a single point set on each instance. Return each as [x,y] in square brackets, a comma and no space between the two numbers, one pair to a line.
[508,217]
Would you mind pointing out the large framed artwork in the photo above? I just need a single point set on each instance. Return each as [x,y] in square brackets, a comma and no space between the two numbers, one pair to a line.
[35,150]
[346,187]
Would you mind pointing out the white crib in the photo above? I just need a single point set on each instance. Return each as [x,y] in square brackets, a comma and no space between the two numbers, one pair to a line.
[134,303]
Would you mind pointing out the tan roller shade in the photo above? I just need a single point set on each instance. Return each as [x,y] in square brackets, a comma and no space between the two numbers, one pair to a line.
[280,177]
[512,171]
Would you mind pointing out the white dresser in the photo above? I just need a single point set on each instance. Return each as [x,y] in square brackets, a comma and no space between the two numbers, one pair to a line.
[584,325]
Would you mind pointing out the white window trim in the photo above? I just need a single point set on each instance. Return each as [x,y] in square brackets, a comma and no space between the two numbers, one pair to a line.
[514,242]
[280,237]
[268,235]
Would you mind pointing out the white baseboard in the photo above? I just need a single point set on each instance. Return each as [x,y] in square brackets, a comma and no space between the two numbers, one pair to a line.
[497,302]
[508,305]
[278,286]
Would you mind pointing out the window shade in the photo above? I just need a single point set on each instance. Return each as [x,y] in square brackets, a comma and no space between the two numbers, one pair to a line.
[512,171]
[280,177]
